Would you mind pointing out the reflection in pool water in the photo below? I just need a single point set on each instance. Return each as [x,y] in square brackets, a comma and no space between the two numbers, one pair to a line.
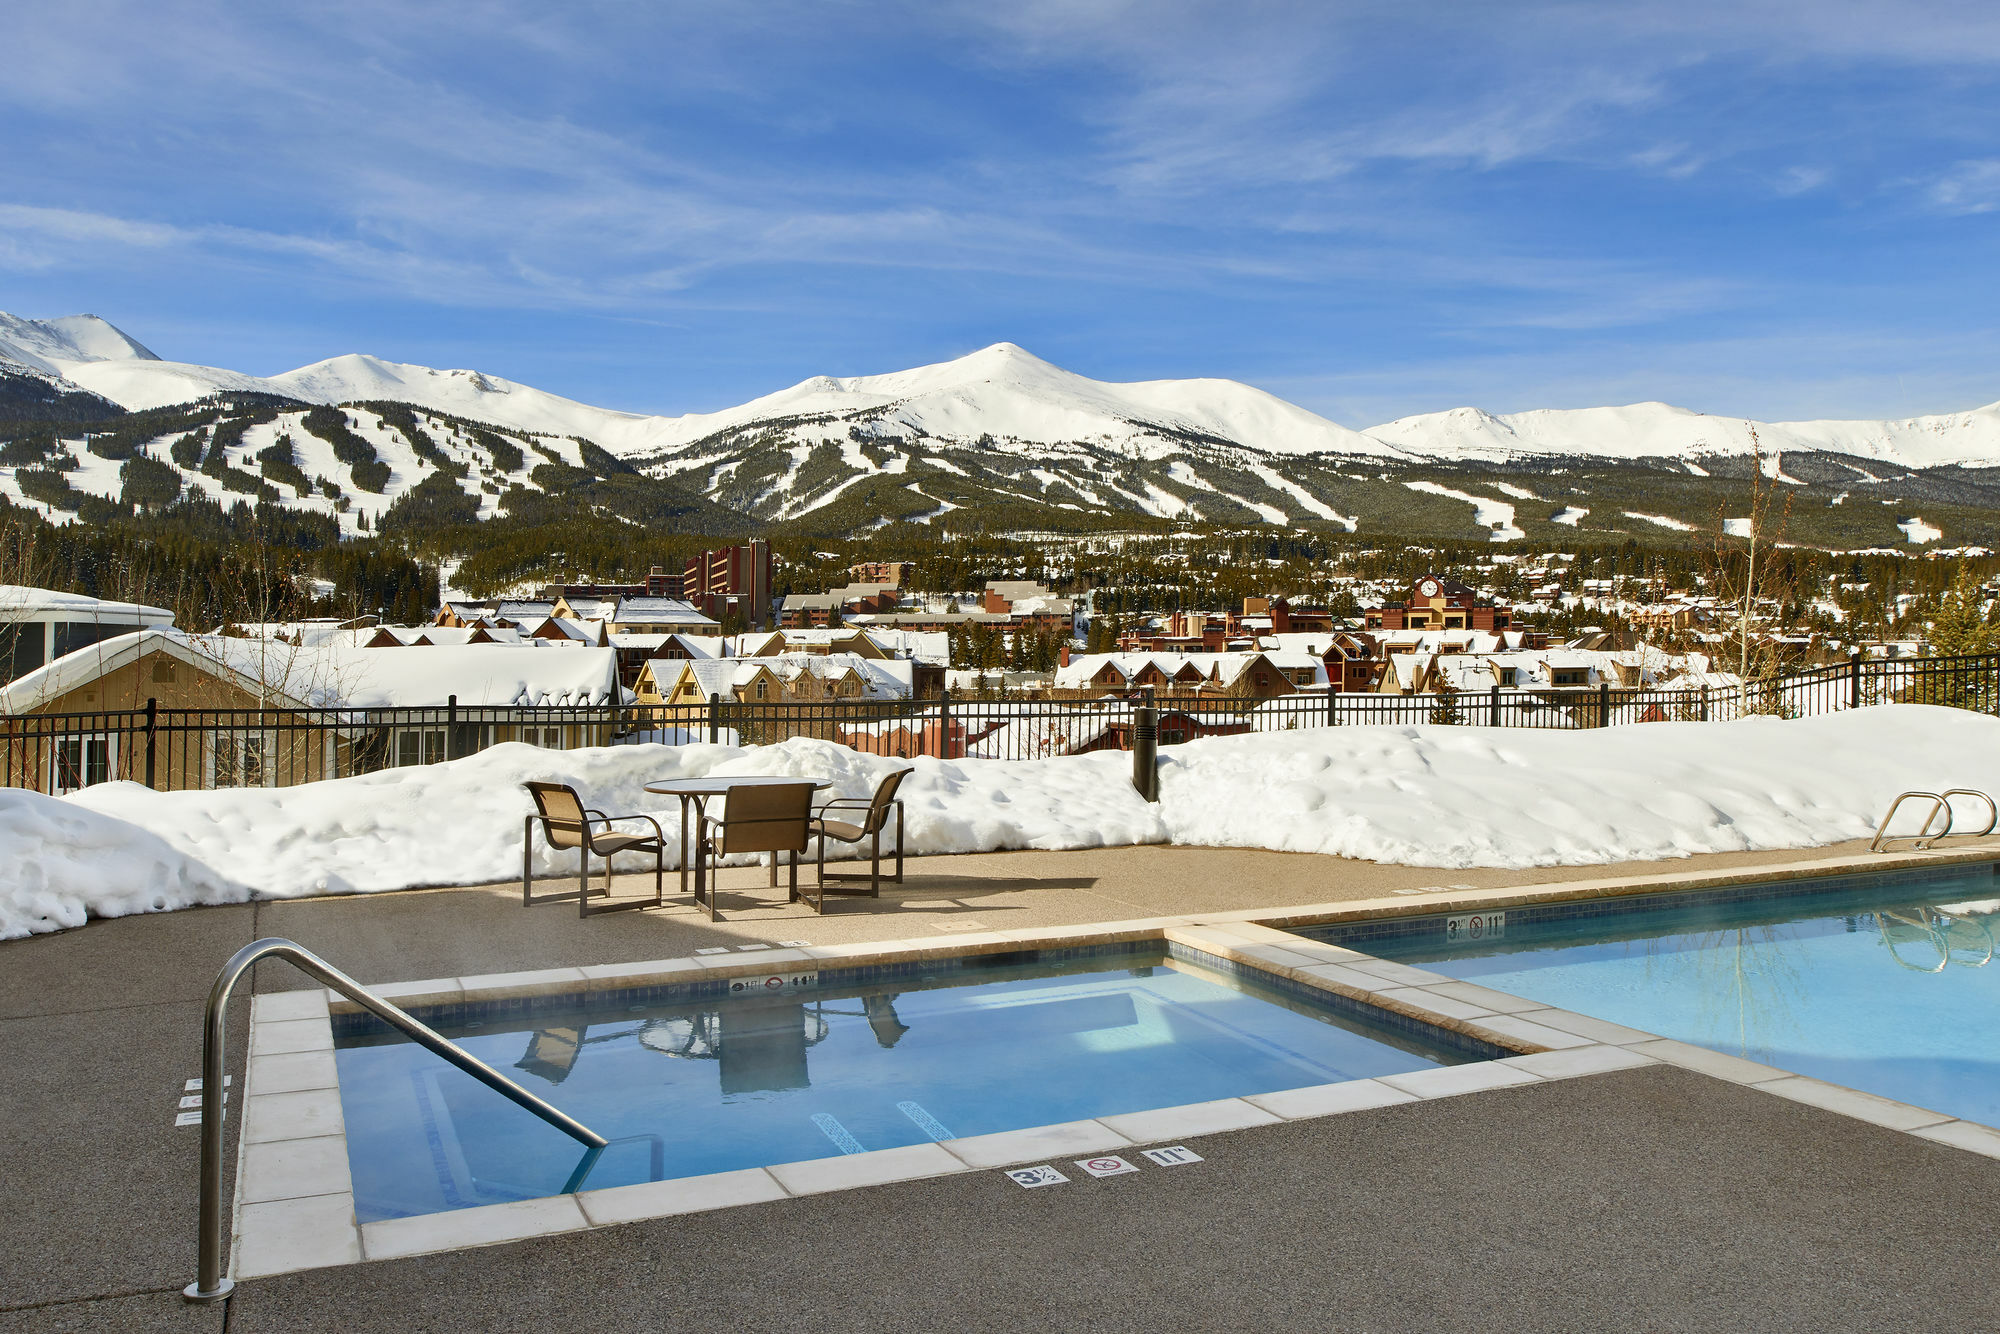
[1890,989]
[749,1081]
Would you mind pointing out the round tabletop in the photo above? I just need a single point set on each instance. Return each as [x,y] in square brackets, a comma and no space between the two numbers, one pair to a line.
[719,785]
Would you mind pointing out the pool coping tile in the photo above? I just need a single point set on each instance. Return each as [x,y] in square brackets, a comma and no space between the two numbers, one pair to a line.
[290,1169]
[272,1006]
[1569,1063]
[283,1236]
[462,1229]
[1450,1081]
[1004,1148]
[1853,1102]
[1967,1135]
[292,1072]
[814,1176]
[1314,1100]
[681,1195]
[1190,1120]
[1723,1066]
[270,1118]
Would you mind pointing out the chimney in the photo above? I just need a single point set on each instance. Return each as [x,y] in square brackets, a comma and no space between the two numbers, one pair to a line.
[1062,656]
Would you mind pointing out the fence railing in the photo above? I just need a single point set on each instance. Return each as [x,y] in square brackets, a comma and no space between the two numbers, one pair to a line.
[173,749]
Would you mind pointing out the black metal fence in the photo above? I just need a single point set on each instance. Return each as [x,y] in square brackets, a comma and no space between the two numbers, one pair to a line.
[173,749]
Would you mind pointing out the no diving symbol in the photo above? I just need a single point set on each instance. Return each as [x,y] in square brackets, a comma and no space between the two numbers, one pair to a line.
[1108,1166]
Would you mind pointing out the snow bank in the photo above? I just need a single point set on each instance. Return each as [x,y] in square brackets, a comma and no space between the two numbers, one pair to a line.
[1473,796]
[1422,796]
[120,848]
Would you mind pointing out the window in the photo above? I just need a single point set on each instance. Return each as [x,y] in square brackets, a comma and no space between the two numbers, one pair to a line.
[1571,676]
[79,761]
[21,649]
[73,635]
[419,745]
[163,669]
[1454,622]
[763,689]
[240,759]
[1509,675]
[546,735]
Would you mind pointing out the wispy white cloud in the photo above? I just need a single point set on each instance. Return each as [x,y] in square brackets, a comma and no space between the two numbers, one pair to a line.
[1969,187]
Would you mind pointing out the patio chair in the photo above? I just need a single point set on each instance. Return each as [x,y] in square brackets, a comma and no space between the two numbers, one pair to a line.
[873,815]
[567,823]
[771,818]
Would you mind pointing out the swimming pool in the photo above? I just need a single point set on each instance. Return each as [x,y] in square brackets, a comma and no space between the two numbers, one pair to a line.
[1886,984]
[839,1063]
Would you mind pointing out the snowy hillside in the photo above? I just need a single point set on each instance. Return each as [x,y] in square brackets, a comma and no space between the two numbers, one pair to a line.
[1008,393]
[1660,430]
[1022,442]
[73,340]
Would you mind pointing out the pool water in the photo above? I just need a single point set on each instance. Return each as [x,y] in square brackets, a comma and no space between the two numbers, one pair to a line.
[1887,987]
[732,1082]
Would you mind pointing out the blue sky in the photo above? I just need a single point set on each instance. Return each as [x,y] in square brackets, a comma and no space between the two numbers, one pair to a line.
[1779,210]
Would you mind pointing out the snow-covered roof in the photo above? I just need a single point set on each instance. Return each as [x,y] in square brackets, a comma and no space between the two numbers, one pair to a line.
[21,601]
[339,675]
[658,611]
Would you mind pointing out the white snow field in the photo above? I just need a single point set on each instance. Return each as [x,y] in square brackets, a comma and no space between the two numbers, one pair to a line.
[1419,796]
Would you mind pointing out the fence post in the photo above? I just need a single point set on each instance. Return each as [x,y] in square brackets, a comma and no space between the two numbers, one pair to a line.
[1604,704]
[152,732]
[944,724]
[1146,749]
[1704,703]
[1493,714]
[451,727]
[714,719]
[1854,681]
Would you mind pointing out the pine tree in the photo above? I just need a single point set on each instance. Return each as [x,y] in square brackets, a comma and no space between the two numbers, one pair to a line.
[1963,627]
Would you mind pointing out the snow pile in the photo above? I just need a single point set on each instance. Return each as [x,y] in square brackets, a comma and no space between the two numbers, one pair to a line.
[1423,796]
[119,848]
[1474,796]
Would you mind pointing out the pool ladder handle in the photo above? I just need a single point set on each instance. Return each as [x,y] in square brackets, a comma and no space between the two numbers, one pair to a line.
[1941,802]
[212,1285]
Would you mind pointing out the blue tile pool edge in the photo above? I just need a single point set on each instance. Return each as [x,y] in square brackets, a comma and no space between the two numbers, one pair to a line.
[471,1010]
[1424,919]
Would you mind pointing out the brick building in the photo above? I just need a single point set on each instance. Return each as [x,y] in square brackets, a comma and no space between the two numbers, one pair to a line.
[1436,603]
[732,581]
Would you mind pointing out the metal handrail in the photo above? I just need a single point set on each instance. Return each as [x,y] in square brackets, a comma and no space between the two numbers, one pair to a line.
[1992,811]
[1923,834]
[212,1285]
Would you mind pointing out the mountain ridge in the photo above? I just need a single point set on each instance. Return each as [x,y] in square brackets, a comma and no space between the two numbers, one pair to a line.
[1006,392]
[998,438]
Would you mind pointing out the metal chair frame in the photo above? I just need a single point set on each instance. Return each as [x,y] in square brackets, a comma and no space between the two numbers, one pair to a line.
[709,827]
[563,832]
[878,811]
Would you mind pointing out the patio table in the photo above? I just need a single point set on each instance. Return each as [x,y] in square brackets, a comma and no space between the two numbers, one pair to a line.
[694,794]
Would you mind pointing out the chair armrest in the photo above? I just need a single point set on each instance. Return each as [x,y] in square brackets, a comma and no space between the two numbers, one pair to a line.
[844,803]
[618,819]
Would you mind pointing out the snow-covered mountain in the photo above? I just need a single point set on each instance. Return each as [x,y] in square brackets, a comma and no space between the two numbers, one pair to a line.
[1660,430]
[1009,395]
[999,431]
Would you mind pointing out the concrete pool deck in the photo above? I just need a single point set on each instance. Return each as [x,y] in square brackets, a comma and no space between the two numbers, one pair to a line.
[1657,1198]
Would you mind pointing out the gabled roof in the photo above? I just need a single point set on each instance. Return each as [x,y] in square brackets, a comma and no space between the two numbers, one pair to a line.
[340,675]
[659,611]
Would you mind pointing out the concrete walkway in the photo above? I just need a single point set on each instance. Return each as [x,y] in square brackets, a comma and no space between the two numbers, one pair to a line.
[1657,1199]
[461,932]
